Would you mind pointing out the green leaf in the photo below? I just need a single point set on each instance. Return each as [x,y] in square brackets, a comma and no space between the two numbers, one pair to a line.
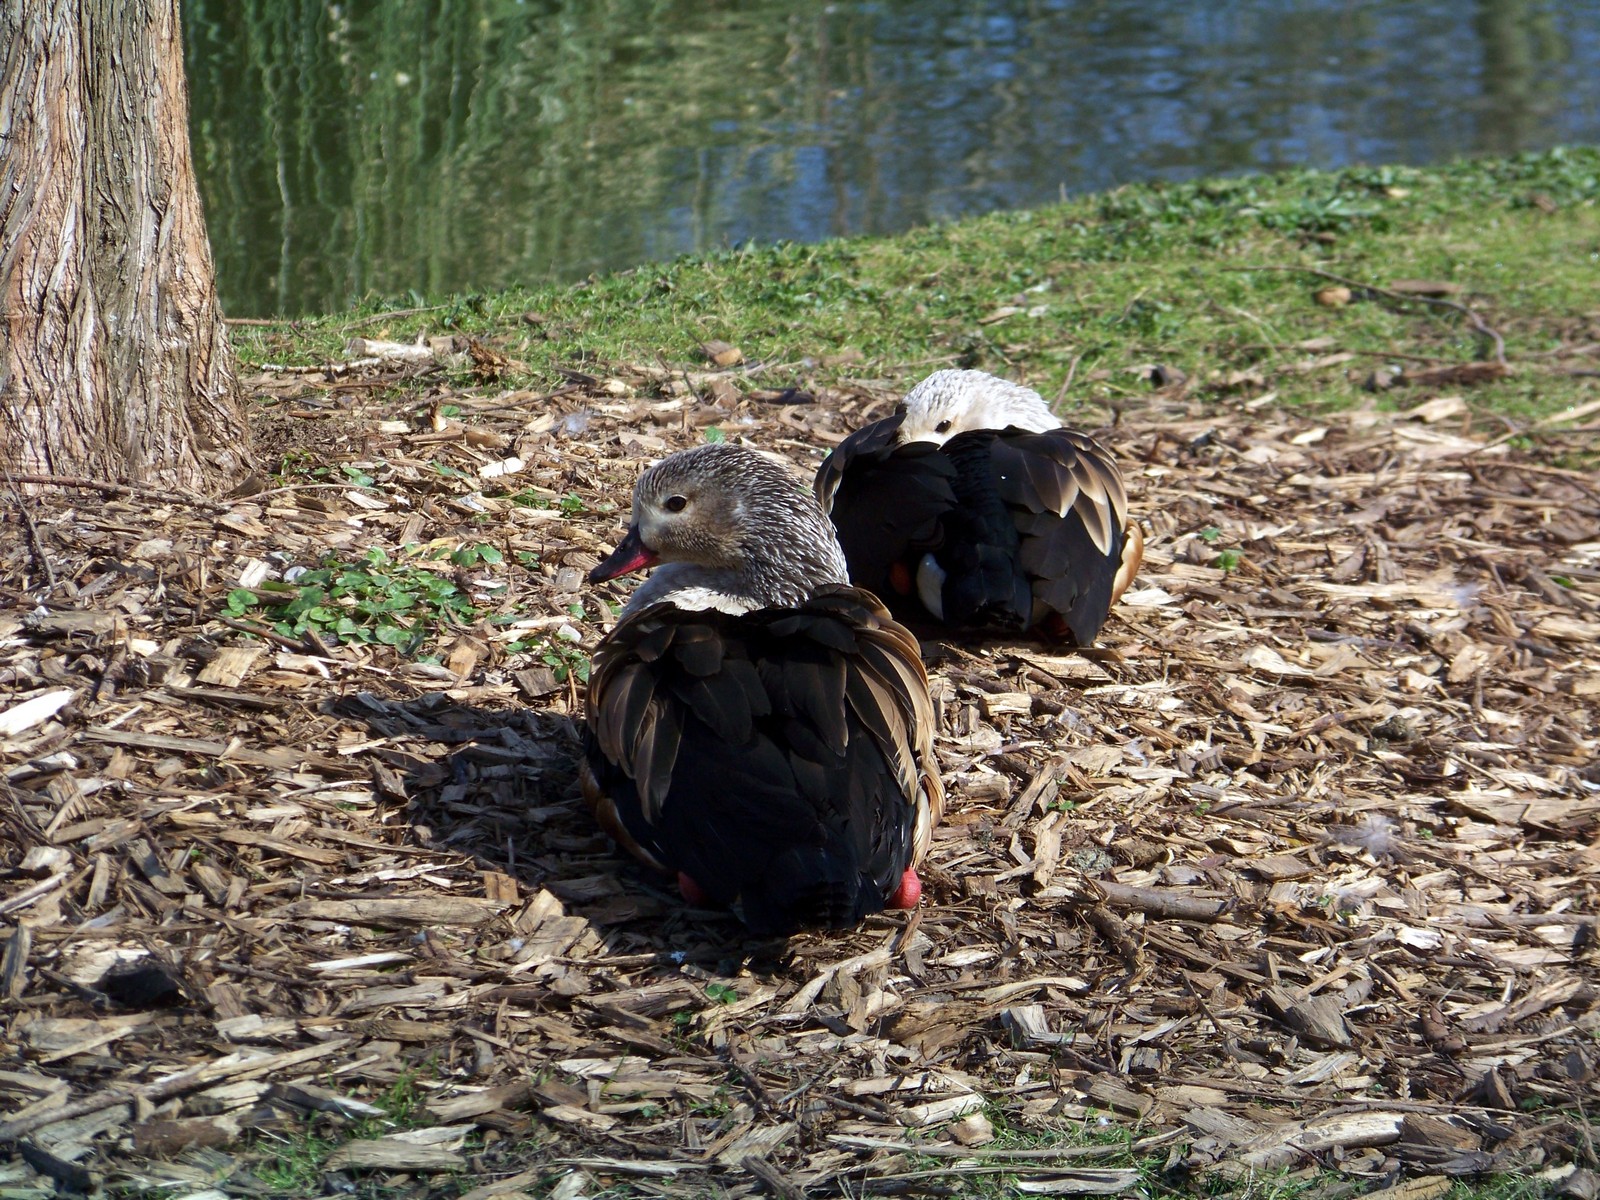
[713,434]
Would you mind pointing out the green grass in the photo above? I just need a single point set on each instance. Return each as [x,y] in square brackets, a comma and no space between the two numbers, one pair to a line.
[293,1165]
[1101,287]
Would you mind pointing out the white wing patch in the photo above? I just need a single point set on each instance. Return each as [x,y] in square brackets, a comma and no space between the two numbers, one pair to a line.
[702,599]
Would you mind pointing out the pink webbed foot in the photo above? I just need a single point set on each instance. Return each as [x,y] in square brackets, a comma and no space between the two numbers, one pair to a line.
[692,891]
[909,893]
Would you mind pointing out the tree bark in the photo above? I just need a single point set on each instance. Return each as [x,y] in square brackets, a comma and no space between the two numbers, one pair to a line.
[114,359]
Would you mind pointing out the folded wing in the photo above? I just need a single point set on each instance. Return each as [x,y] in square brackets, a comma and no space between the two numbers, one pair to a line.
[1078,545]
[781,759]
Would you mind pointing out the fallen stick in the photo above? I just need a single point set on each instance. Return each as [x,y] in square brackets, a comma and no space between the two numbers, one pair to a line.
[109,488]
[1157,902]
[777,1182]
[1161,902]
[232,1066]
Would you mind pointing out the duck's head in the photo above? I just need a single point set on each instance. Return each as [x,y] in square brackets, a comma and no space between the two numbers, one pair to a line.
[950,402]
[736,515]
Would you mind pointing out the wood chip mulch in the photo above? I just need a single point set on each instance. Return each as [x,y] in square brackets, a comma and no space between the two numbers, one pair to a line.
[1298,868]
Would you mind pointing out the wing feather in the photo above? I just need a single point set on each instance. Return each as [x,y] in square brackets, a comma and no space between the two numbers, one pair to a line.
[747,738]
[1078,542]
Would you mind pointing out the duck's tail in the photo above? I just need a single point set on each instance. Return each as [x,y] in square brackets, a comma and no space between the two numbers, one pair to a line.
[809,887]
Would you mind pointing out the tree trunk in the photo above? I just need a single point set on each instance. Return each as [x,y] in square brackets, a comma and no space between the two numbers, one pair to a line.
[114,361]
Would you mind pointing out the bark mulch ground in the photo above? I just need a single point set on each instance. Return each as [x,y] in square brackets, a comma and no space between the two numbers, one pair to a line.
[1298,868]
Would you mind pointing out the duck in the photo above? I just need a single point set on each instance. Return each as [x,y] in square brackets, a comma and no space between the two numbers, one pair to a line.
[973,507]
[755,724]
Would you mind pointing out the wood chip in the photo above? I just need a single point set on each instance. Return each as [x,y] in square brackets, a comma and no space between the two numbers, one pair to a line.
[1334,806]
[389,1154]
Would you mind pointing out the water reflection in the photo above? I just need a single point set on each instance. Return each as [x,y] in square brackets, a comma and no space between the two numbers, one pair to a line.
[446,145]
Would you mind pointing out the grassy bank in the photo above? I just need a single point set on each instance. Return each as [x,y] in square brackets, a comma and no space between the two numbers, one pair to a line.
[1080,299]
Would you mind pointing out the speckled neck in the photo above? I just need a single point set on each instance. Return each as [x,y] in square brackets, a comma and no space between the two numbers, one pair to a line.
[777,550]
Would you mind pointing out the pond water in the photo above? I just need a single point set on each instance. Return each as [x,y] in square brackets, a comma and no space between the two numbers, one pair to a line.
[415,147]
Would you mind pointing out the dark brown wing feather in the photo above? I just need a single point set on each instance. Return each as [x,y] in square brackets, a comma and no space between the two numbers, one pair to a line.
[1078,544]
[782,759]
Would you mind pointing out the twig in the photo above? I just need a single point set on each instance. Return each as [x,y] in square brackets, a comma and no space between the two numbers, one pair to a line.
[41,560]
[753,1085]
[119,489]
[1422,358]
[252,321]
[1092,1179]
[390,315]
[986,1153]
[172,1085]
[1564,351]
[1072,371]
[1477,322]
[1263,1092]
[1111,927]
[1163,902]
[336,368]
[529,400]
[268,635]
[777,1182]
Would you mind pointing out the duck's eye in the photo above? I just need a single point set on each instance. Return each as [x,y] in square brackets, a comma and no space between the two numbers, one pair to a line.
[675,503]
[942,427]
